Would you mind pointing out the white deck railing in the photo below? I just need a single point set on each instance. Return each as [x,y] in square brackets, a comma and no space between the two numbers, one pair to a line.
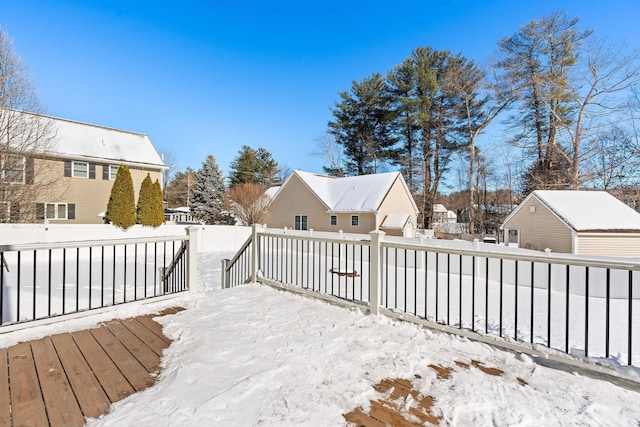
[544,304]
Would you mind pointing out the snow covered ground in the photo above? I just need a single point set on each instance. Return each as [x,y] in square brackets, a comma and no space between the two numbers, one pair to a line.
[252,355]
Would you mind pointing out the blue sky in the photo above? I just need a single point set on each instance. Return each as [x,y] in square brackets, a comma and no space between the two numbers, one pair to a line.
[206,77]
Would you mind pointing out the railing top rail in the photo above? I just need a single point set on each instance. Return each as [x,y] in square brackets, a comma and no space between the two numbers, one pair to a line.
[427,245]
[240,251]
[88,243]
[353,239]
[551,258]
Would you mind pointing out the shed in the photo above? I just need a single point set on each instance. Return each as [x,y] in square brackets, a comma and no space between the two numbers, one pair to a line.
[576,222]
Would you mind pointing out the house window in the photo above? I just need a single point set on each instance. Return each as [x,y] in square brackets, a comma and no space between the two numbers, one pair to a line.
[5,212]
[113,171]
[80,170]
[334,220]
[12,169]
[55,211]
[354,220]
[300,222]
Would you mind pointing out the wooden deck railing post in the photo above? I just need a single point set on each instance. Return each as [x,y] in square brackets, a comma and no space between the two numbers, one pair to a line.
[375,265]
[192,259]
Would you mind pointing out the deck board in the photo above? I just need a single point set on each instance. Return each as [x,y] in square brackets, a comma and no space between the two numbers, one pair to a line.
[5,398]
[143,333]
[147,357]
[63,379]
[107,373]
[130,367]
[27,406]
[60,402]
[154,327]
[90,394]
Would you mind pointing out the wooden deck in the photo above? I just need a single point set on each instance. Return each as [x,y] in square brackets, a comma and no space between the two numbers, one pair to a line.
[62,379]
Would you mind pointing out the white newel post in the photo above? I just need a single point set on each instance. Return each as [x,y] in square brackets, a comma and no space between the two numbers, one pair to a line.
[254,252]
[377,237]
[225,262]
[192,260]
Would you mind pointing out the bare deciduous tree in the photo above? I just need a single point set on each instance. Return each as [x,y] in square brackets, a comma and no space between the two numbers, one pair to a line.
[248,202]
[329,150]
[26,141]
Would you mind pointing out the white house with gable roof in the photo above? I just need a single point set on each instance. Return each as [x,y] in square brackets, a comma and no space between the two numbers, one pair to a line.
[355,204]
[576,222]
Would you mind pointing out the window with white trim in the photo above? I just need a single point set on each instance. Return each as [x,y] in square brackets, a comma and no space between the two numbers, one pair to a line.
[300,222]
[333,220]
[12,169]
[55,211]
[113,171]
[5,213]
[80,170]
[354,220]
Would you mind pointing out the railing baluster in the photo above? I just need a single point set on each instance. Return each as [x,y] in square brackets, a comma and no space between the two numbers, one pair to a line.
[426,282]
[437,283]
[386,267]
[566,322]
[102,279]
[501,289]
[549,305]
[586,312]
[135,272]
[18,285]
[486,295]
[515,330]
[607,311]
[64,280]
[405,280]
[448,288]
[473,293]
[91,273]
[113,281]
[532,299]
[395,278]
[35,263]
[460,290]
[77,279]
[415,282]
[630,321]
[49,285]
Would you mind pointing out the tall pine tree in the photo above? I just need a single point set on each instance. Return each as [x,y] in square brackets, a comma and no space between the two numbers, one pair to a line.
[254,167]
[207,202]
[363,125]
[121,209]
